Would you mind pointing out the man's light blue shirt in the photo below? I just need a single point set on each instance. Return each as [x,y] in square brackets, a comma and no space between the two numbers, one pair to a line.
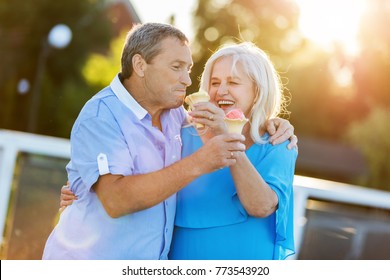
[113,127]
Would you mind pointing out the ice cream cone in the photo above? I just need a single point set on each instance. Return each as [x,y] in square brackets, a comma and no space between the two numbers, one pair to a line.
[235,125]
[235,121]
[192,99]
[200,96]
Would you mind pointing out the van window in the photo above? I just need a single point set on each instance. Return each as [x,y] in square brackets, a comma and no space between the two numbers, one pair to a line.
[33,205]
[339,231]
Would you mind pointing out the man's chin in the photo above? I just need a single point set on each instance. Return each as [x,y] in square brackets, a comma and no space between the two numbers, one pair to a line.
[175,105]
[179,104]
[181,100]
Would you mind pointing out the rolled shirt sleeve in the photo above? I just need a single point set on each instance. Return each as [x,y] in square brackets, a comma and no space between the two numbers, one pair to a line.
[96,136]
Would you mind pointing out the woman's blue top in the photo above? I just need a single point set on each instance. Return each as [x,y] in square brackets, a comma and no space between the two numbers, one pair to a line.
[211,202]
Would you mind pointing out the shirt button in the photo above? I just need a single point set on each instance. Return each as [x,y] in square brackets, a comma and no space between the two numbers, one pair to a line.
[166,230]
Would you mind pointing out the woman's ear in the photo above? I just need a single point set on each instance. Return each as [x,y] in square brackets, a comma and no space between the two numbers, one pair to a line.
[139,65]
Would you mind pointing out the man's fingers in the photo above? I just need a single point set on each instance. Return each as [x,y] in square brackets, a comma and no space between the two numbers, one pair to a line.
[271,127]
[293,142]
[281,135]
[277,127]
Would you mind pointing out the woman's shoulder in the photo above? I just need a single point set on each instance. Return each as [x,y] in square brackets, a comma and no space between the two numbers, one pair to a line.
[267,147]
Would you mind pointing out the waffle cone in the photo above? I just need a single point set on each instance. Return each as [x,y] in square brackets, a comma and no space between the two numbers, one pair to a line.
[200,96]
[192,99]
[235,125]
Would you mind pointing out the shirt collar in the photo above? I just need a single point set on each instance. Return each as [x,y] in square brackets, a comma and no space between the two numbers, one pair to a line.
[125,97]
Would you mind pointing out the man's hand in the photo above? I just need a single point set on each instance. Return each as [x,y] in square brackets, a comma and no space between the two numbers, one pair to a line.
[220,151]
[280,131]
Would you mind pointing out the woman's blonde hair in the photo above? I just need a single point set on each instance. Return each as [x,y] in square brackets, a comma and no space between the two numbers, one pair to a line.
[260,69]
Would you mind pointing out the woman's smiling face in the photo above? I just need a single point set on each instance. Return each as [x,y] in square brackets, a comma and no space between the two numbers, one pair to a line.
[231,89]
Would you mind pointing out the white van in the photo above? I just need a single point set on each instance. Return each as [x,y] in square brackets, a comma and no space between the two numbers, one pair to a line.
[335,221]
[332,220]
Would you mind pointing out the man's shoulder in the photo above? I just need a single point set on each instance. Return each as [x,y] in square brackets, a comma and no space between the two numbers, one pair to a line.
[102,94]
[94,103]
[95,107]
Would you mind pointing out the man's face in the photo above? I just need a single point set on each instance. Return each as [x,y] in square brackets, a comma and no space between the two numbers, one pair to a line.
[168,75]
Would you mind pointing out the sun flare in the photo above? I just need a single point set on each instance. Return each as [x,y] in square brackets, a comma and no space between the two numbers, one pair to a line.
[326,22]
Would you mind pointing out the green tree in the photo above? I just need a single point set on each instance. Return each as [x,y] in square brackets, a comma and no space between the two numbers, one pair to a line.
[372,67]
[307,71]
[99,69]
[372,138]
[24,25]
[97,72]
[321,108]
[271,25]
[371,74]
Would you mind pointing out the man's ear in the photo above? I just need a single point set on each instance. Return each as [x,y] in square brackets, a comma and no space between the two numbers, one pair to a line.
[139,65]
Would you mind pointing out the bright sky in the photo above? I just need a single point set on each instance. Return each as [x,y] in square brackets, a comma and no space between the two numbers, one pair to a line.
[322,21]
[328,21]
[161,10]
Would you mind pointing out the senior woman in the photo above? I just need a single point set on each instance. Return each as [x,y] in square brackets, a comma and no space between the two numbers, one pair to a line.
[244,211]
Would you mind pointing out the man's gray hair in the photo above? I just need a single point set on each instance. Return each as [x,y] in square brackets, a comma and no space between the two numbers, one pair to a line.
[145,40]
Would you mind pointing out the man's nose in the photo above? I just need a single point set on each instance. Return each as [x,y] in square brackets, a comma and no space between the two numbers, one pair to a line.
[186,79]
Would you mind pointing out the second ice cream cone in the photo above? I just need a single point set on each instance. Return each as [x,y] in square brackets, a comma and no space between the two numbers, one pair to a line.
[235,121]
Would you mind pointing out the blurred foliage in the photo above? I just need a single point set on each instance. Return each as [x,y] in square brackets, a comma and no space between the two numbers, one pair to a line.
[322,104]
[372,66]
[100,69]
[320,107]
[24,25]
[272,25]
[308,72]
[372,137]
